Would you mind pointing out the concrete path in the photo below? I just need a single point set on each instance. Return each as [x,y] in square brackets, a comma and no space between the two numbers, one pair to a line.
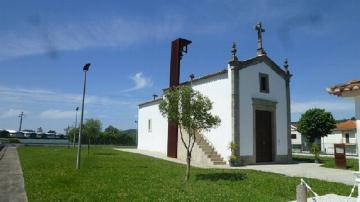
[331,198]
[307,170]
[11,177]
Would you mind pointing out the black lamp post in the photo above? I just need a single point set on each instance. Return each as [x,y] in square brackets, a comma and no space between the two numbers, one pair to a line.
[74,139]
[86,68]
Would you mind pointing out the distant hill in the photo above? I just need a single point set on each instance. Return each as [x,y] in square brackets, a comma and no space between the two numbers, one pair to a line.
[131,132]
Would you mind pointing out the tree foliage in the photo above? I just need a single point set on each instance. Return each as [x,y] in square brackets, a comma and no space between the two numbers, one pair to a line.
[316,123]
[110,135]
[190,110]
[92,129]
[4,133]
[111,130]
[73,132]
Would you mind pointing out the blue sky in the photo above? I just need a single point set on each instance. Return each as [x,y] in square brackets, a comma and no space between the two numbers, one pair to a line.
[44,44]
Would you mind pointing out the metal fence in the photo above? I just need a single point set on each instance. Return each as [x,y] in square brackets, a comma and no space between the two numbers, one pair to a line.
[326,148]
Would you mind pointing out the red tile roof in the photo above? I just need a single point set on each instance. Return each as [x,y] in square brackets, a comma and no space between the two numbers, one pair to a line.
[346,125]
[339,89]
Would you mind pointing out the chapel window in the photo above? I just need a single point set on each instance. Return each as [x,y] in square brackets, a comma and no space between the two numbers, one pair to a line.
[149,125]
[264,83]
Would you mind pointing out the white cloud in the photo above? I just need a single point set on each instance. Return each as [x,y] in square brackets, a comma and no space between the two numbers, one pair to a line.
[332,106]
[40,95]
[12,113]
[116,32]
[140,81]
[57,114]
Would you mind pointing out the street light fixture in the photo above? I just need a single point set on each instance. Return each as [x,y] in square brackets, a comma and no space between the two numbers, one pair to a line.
[21,115]
[85,69]
[74,139]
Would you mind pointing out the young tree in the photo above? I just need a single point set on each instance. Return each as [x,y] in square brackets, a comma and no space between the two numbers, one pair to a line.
[73,132]
[111,134]
[314,124]
[92,129]
[190,110]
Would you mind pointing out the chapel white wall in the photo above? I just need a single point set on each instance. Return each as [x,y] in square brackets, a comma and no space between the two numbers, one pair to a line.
[217,89]
[156,140]
[249,88]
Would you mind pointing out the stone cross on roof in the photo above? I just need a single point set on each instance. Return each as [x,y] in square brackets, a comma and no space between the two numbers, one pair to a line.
[286,65]
[260,30]
[233,52]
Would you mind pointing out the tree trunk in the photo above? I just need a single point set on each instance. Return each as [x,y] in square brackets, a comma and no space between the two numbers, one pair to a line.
[188,160]
[88,145]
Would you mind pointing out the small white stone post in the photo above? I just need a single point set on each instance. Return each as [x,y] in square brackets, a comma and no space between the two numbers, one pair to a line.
[301,193]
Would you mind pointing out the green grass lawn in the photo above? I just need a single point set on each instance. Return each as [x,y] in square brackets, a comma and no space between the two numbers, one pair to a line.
[109,175]
[328,162]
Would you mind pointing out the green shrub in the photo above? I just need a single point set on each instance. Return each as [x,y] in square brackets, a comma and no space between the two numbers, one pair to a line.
[232,158]
[4,133]
[14,140]
[316,151]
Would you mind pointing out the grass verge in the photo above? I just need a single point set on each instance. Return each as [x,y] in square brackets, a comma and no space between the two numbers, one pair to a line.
[109,175]
[328,162]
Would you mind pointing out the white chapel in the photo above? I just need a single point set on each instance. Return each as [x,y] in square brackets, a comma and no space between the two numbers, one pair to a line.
[252,99]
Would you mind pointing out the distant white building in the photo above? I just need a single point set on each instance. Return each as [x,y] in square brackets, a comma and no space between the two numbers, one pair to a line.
[252,99]
[51,134]
[28,133]
[296,139]
[344,133]
[15,133]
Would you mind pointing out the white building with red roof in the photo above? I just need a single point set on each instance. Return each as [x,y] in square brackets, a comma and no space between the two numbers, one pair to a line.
[351,90]
[344,133]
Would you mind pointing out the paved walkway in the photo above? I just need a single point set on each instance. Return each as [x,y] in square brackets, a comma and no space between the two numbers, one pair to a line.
[308,170]
[11,178]
[331,198]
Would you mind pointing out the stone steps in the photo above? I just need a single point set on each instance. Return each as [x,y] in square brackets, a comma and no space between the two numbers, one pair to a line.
[219,162]
[211,153]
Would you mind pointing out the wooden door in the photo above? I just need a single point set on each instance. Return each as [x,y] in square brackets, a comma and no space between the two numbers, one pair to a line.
[264,140]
